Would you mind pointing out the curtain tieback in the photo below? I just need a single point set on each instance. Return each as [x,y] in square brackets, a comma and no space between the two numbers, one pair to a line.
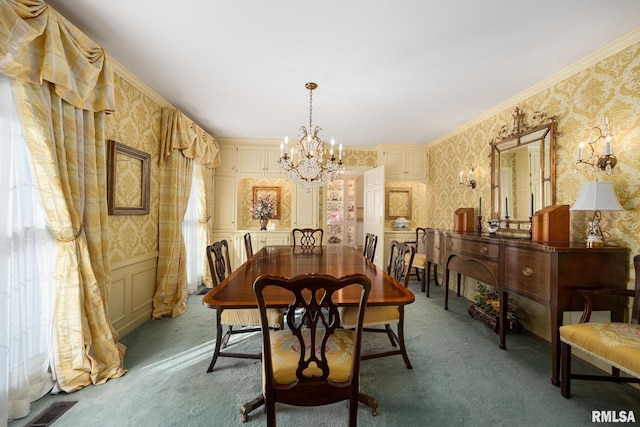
[205,221]
[75,236]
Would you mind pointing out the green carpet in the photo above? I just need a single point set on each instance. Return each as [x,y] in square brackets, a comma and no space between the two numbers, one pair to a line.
[460,378]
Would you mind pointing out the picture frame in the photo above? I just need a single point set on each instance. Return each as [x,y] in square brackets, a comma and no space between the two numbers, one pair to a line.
[273,192]
[128,180]
[398,202]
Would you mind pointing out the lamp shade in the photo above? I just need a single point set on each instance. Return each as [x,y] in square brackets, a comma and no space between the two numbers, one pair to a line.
[597,196]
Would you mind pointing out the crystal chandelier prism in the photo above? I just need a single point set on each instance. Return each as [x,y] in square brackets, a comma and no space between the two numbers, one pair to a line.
[310,162]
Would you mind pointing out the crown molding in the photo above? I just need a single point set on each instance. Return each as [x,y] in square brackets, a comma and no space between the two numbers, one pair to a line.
[120,70]
[612,48]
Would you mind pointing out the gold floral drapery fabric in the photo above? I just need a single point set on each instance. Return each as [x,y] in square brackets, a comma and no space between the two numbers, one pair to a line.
[183,143]
[38,44]
[63,87]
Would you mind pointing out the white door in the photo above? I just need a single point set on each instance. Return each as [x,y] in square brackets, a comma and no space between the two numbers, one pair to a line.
[374,209]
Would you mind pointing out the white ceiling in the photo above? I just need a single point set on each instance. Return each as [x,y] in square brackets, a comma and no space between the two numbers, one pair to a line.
[404,71]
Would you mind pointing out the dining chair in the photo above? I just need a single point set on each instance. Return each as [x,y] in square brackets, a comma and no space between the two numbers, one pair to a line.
[248,320]
[420,258]
[400,261]
[307,237]
[615,343]
[314,361]
[248,247]
[370,242]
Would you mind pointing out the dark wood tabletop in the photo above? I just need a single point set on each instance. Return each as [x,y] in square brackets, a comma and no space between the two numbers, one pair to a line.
[236,291]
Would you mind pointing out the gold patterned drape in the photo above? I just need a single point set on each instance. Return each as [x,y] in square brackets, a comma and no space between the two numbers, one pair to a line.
[63,86]
[182,143]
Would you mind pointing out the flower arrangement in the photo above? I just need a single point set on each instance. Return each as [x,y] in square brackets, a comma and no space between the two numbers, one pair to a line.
[493,223]
[488,301]
[263,207]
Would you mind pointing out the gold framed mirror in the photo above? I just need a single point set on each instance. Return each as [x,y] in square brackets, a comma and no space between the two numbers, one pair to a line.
[523,169]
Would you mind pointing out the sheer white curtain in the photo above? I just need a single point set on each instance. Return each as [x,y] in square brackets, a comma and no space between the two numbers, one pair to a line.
[191,236]
[26,284]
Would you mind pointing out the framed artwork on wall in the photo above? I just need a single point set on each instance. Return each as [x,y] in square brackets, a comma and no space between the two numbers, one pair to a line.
[128,180]
[266,198]
[398,203]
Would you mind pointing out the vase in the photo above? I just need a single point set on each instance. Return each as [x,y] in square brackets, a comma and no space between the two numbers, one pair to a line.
[493,229]
[263,223]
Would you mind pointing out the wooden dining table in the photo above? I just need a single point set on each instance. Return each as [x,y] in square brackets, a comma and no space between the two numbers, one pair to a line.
[236,291]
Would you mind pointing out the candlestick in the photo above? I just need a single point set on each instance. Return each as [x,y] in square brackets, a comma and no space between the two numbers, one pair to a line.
[480,209]
[531,204]
[506,207]
[479,226]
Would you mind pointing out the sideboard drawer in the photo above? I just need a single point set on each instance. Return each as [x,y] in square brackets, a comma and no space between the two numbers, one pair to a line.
[528,273]
[488,250]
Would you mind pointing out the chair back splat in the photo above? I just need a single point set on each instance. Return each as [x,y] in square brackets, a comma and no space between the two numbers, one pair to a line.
[307,237]
[219,261]
[370,243]
[248,246]
[315,361]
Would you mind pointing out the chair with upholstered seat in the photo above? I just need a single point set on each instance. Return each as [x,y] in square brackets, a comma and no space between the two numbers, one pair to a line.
[314,362]
[420,258]
[615,343]
[246,319]
[400,260]
[307,237]
[248,246]
[370,243]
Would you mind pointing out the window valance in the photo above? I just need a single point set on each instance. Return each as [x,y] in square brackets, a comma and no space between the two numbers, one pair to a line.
[38,44]
[181,133]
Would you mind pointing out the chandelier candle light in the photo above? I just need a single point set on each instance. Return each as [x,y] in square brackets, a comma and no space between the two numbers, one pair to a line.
[311,162]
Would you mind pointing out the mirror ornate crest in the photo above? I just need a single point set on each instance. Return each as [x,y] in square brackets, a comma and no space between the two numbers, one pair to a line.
[523,172]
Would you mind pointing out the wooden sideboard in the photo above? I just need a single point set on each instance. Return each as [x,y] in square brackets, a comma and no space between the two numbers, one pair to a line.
[547,273]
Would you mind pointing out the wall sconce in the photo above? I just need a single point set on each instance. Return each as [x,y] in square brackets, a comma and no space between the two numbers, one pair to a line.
[467,178]
[606,162]
[596,197]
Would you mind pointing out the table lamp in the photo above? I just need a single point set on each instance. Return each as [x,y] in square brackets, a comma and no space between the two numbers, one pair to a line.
[596,197]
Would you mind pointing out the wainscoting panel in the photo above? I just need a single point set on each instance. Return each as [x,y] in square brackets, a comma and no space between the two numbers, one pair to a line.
[133,283]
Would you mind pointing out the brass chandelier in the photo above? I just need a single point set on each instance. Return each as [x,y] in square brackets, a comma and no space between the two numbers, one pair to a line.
[311,162]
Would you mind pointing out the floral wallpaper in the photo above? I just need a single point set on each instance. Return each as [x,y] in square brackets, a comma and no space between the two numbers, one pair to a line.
[610,89]
[135,123]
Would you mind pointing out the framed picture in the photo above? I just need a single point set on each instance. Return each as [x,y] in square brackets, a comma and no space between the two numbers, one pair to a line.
[398,203]
[128,180]
[272,194]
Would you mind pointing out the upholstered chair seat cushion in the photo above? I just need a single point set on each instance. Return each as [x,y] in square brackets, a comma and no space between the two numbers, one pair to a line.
[250,317]
[419,260]
[374,315]
[285,352]
[618,344]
